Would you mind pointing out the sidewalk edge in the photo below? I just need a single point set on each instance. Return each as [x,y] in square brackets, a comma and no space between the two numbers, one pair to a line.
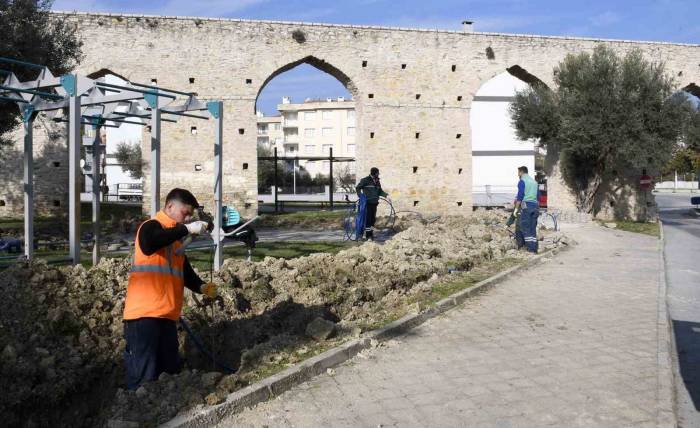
[667,359]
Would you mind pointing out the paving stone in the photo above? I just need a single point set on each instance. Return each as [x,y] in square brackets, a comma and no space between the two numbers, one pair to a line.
[552,346]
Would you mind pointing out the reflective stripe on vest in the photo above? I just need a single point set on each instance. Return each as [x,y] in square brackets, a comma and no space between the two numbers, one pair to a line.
[157,268]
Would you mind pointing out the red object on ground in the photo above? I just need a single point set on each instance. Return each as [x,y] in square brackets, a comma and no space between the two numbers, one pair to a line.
[542,199]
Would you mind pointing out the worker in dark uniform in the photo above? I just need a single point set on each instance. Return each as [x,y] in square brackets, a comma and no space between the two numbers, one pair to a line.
[155,291]
[372,189]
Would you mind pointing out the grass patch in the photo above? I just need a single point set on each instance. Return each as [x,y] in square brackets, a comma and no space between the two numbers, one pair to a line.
[651,229]
[283,250]
[306,219]
[201,259]
[462,281]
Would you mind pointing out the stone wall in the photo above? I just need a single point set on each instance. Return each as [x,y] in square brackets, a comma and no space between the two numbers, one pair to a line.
[396,130]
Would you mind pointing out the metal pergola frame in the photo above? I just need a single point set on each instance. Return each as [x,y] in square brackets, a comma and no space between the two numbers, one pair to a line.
[100,104]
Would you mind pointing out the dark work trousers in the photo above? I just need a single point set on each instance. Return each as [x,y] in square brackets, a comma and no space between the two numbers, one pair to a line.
[528,224]
[370,218]
[151,349]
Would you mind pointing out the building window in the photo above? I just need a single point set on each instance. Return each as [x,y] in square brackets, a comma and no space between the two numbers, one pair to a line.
[327,149]
[326,165]
[351,149]
[309,149]
[275,126]
[327,114]
[326,132]
[351,131]
[309,115]
[309,132]
[291,116]
[351,114]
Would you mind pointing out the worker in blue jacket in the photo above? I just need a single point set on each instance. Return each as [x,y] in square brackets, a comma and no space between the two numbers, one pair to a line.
[526,199]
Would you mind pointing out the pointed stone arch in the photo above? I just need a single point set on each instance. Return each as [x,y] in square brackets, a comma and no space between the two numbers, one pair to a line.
[317,63]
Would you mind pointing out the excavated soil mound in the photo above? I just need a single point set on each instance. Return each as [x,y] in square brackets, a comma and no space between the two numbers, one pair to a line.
[61,333]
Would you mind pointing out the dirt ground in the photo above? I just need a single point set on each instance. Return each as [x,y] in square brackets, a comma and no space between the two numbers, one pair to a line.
[61,334]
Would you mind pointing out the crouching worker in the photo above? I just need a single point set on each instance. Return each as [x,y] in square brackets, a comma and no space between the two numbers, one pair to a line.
[372,188]
[154,295]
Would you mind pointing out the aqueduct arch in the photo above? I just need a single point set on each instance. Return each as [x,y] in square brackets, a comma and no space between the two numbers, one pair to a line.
[415,88]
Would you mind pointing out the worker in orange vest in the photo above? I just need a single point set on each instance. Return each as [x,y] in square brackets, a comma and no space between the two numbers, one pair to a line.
[158,276]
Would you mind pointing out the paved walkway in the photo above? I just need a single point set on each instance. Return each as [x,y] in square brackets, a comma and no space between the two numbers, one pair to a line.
[573,342]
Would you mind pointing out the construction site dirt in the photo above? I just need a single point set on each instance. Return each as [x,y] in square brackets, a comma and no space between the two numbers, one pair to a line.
[61,333]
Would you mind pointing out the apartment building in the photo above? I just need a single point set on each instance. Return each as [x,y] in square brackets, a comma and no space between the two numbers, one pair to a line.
[312,128]
[270,131]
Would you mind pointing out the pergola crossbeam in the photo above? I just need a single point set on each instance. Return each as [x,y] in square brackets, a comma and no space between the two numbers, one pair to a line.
[83,97]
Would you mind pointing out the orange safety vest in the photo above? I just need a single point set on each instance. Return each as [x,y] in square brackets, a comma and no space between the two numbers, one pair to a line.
[156,282]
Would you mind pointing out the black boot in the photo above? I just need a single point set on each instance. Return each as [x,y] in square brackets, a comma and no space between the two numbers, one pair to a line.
[369,235]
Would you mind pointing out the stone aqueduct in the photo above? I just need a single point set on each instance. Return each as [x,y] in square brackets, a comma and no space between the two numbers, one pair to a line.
[413,89]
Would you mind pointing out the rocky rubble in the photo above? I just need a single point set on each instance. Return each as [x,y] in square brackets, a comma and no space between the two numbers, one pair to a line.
[61,330]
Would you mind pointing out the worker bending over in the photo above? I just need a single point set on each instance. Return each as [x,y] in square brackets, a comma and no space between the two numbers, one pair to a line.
[526,199]
[372,189]
[160,271]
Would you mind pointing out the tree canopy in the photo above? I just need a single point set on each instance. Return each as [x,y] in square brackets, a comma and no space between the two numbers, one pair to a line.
[30,33]
[608,117]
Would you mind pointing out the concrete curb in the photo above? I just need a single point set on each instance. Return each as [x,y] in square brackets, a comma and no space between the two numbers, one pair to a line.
[275,385]
[667,359]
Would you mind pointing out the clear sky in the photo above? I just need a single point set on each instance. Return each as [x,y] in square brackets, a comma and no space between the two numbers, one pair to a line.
[657,20]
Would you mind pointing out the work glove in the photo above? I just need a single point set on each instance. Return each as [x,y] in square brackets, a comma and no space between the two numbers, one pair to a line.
[196,227]
[209,290]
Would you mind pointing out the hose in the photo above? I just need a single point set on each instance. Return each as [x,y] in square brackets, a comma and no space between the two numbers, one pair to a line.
[199,345]
[195,339]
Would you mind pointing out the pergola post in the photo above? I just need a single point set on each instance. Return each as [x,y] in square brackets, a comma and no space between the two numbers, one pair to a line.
[96,180]
[70,82]
[216,108]
[155,153]
[28,119]
[330,177]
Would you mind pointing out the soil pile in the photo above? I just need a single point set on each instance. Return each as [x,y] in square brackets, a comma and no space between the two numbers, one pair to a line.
[61,333]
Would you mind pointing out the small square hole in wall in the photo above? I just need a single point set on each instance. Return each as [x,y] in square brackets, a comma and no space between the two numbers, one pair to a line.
[241,131]
[191,79]
[459,135]
[245,165]
[56,164]
[364,63]
[248,81]
[56,203]
[154,81]
[417,134]
[459,171]
[415,203]
[148,128]
[459,98]
[193,130]
[459,203]
[371,135]
[370,95]
[2,203]
[403,66]
[415,169]
[197,167]
[454,67]
[417,96]
[247,205]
